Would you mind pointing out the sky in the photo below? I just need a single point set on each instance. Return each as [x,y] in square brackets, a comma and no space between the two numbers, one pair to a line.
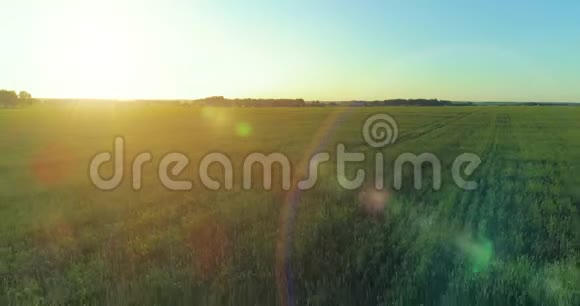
[317,50]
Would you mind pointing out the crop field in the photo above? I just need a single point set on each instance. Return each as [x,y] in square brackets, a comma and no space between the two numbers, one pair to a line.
[513,240]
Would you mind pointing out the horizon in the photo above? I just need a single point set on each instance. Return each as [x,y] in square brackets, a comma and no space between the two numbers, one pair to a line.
[284,98]
[484,51]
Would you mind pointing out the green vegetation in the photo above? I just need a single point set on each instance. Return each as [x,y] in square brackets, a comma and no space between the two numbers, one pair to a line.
[513,241]
[9,98]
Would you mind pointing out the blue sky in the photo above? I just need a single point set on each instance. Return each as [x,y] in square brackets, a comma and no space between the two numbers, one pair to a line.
[326,50]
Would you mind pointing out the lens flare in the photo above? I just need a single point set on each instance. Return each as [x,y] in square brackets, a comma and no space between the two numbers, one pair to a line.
[243,129]
[52,165]
[287,218]
[479,252]
[216,116]
[373,201]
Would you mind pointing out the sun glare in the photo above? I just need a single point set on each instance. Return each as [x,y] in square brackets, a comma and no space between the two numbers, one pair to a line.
[101,60]
[94,54]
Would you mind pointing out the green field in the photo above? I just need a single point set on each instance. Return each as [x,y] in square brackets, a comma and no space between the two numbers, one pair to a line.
[515,240]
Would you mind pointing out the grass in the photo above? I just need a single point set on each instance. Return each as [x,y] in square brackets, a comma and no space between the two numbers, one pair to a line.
[513,241]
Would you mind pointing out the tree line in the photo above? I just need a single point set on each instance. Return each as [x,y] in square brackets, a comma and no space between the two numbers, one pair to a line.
[221,101]
[10,99]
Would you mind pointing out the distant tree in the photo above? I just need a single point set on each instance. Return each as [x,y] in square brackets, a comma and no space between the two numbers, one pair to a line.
[24,97]
[8,98]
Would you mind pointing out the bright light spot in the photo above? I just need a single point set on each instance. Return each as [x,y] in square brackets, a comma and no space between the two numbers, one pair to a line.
[218,116]
[243,129]
[479,252]
[94,50]
[373,201]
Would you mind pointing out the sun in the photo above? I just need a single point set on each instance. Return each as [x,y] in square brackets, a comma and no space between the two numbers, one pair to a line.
[94,54]
[102,60]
